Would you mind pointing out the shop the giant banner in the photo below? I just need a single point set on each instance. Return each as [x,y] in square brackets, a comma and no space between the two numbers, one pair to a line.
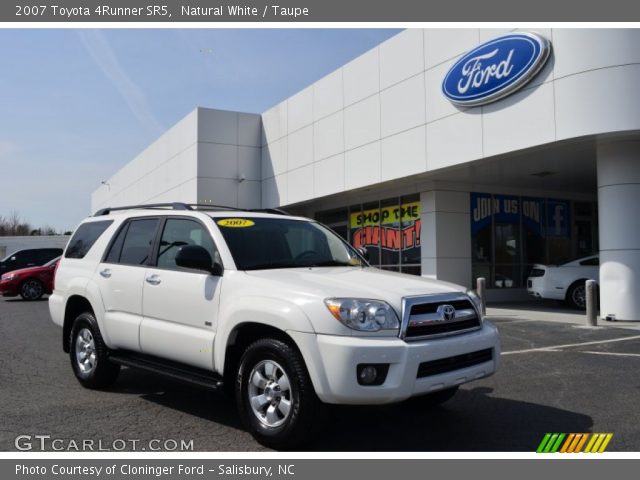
[392,228]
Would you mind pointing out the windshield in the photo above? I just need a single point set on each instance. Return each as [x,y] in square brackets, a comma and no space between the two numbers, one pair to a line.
[265,243]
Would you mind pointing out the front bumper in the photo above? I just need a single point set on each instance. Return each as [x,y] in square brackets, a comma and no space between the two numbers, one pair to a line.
[8,288]
[332,363]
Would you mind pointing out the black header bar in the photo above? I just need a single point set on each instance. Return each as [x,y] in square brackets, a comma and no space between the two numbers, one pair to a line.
[302,11]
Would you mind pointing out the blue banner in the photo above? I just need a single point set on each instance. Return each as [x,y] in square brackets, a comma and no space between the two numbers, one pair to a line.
[545,217]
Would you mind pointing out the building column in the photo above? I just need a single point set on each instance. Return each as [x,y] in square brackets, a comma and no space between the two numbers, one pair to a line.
[445,236]
[619,228]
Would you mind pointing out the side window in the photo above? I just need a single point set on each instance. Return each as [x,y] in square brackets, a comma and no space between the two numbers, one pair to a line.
[29,257]
[84,238]
[116,246]
[136,247]
[47,254]
[178,233]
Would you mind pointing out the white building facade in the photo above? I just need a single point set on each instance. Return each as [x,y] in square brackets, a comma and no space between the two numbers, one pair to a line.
[377,151]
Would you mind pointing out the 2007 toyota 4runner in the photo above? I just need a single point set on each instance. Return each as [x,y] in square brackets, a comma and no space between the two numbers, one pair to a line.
[278,309]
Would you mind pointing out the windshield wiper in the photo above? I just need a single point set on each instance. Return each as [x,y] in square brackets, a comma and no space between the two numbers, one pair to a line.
[331,263]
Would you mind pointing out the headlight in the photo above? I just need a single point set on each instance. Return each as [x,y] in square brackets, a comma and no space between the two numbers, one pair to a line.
[8,276]
[476,301]
[362,314]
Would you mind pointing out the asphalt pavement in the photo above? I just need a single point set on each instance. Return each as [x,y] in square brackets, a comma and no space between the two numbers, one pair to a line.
[553,377]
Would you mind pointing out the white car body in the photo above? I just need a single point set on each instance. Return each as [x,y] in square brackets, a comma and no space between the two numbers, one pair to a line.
[189,317]
[555,281]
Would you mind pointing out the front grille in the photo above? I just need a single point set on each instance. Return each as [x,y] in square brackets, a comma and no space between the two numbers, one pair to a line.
[449,364]
[441,328]
[424,316]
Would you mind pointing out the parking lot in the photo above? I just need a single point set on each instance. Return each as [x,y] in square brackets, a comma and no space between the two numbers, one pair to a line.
[554,377]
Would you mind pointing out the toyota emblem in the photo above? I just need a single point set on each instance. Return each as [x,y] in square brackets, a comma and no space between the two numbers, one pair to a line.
[446,312]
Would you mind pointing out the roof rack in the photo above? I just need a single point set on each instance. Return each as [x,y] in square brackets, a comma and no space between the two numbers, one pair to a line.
[186,206]
[171,206]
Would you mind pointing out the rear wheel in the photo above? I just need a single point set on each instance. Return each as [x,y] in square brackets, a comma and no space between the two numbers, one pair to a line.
[88,354]
[277,402]
[576,295]
[31,289]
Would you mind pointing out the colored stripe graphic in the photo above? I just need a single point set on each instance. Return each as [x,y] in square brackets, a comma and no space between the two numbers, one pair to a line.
[574,442]
[543,443]
[598,443]
[606,441]
[550,443]
[567,443]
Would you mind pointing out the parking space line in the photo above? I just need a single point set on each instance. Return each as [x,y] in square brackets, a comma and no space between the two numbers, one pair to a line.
[569,345]
[616,354]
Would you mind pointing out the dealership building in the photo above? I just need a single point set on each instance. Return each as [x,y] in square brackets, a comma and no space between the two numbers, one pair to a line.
[448,153]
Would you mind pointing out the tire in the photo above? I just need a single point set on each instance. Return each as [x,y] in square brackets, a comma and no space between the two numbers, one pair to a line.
[576,295]
[434,399]
[31,289]
[275,396]
[89,354]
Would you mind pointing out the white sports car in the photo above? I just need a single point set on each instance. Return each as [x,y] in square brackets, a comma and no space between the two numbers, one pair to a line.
[564,281]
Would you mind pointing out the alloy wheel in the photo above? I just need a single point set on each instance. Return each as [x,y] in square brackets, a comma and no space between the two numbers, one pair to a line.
[31,290]
[86,356]
[269,393]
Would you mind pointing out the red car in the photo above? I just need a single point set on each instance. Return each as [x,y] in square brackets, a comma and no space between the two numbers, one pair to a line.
[30,283]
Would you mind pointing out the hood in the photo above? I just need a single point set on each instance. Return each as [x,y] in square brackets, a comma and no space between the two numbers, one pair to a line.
[372,283]
[28,270]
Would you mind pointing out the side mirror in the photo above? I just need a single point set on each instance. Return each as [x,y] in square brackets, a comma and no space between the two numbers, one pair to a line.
[196,257]
[363,253]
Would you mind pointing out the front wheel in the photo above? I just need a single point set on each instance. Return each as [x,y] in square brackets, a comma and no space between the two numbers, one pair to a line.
[275,396]
[31,289]
[89,354]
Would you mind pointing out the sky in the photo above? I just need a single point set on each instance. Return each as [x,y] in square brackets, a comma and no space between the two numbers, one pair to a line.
[77,105]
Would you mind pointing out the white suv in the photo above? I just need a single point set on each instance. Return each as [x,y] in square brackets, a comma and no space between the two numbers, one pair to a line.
[277,308]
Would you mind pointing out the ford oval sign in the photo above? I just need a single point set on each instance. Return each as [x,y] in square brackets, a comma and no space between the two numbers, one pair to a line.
[495,69]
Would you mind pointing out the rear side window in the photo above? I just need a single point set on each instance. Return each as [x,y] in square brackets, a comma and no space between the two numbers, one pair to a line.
[136,247]
[84,238]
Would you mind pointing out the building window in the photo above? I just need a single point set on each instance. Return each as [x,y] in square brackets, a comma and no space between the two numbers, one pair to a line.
[509,234]
[388,229]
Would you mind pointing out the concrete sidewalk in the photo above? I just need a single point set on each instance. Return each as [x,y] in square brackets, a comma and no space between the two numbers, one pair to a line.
[548,311]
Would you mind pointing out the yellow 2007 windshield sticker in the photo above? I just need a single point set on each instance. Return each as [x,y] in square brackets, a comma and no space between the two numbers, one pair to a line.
[235,222]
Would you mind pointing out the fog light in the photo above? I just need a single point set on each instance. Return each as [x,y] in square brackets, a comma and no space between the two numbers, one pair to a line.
[368,374]
[372,374]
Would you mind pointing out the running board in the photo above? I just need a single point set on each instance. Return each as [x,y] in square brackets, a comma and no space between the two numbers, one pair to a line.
[177,371]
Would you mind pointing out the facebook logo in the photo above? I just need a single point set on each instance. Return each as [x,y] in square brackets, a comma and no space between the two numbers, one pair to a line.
[557,218]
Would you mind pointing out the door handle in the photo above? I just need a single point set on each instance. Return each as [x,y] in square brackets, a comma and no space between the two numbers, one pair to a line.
[106,273]
[153,279]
